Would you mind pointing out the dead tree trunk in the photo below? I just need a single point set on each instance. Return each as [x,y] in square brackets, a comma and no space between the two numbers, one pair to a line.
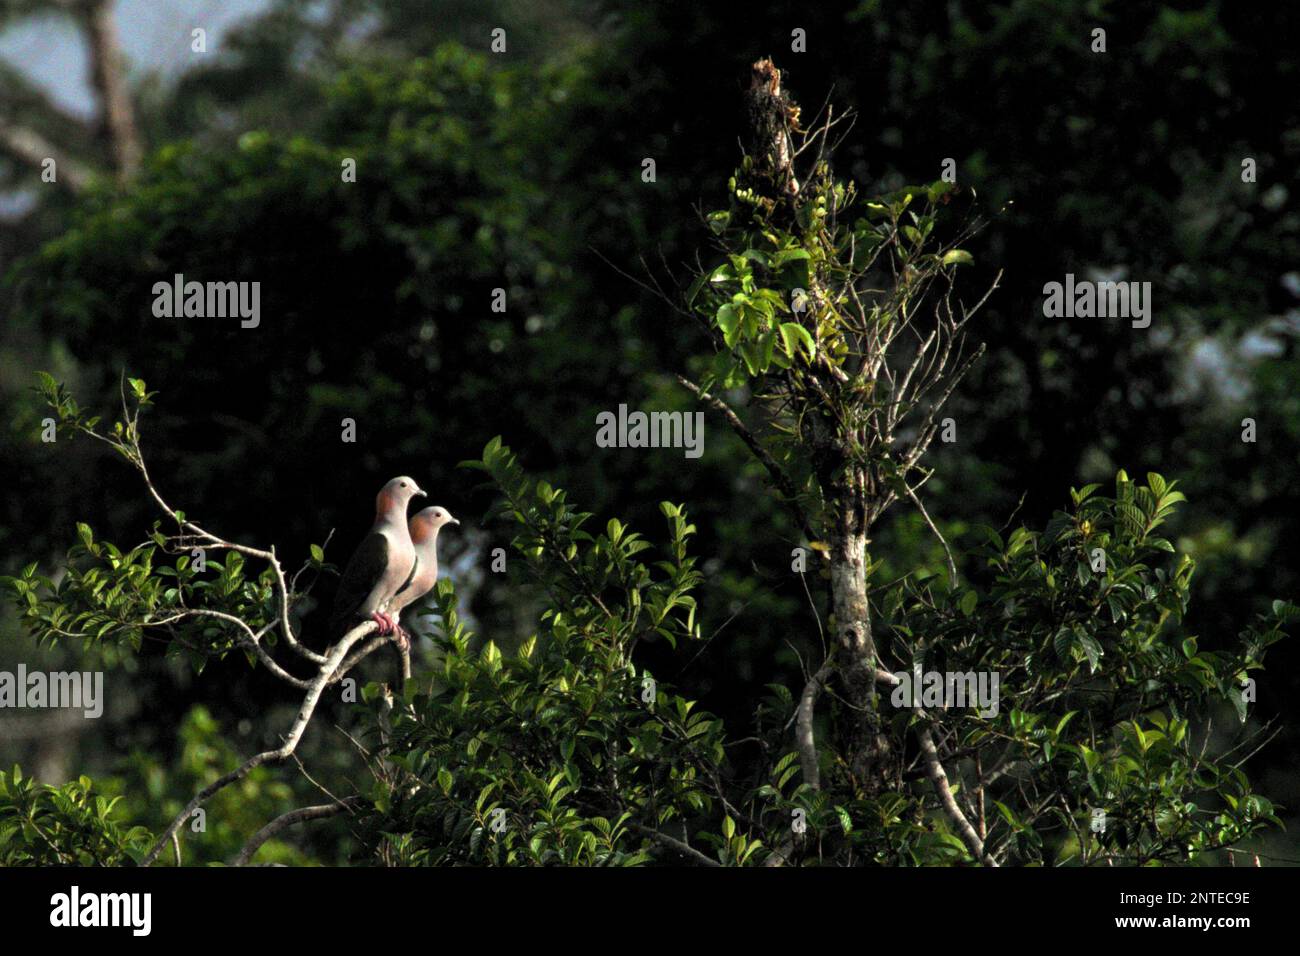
[108,74]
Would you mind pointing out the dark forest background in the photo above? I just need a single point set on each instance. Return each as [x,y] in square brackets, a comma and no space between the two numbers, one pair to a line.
[522,171]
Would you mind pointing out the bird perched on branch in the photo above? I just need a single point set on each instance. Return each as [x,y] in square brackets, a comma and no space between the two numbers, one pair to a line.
[424,533]
[382,563]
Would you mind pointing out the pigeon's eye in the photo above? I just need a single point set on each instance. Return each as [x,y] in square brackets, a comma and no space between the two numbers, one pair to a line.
[403,484]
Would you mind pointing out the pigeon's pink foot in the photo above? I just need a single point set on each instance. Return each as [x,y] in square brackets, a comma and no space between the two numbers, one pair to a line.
[384,621]
[403,639]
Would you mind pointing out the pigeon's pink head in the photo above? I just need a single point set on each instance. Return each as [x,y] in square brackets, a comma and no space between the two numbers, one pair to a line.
[395,495]
[426,523]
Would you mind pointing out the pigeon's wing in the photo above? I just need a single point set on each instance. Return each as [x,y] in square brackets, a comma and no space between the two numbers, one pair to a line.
[364,570]
[415,566]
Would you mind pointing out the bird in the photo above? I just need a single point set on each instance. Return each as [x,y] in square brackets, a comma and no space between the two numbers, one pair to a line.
[382,563]
[424,533]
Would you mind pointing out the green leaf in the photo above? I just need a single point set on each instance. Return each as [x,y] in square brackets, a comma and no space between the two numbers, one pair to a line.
[1062,641]
[793,335]
[789,255]
[1285,611]
[728,319]
[1092,650]
[958,257]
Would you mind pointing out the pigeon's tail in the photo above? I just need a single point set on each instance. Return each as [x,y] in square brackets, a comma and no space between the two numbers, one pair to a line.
[343,620]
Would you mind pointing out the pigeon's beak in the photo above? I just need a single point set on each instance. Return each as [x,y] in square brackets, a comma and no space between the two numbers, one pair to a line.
[420,493]
[455,521]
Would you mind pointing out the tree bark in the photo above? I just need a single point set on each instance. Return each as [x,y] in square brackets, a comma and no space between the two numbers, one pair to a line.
[28,146]
[108,74]
[772,116]
[852,616]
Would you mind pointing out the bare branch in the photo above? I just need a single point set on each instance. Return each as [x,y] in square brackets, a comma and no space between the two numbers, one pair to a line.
[109,76]
[282,753]
[211,540]
[916,500]
[940,780]
[803,731]
[673,844]
[248,639]
[29,147]
[301,815]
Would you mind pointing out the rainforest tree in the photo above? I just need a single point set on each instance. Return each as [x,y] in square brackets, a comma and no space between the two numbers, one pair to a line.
[1038,703]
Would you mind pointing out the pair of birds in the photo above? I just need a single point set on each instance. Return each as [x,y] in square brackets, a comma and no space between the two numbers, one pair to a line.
[395,565]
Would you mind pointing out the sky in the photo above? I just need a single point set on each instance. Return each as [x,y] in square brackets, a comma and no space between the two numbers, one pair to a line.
[155,36]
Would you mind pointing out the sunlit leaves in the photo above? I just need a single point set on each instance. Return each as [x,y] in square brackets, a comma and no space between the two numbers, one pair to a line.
[564,752]
[68,825]
[1104,698]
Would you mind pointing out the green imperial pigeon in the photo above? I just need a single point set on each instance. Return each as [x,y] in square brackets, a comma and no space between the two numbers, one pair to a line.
[424,532]
[382,563]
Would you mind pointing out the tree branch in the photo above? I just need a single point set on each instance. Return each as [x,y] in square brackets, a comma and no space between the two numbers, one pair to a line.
[803,729]
[916,500]
[300,815]
[940,780]
[28,146]
[206,538]
[779,477]
[108,74]
[249,639]
[684,849]
[282,753]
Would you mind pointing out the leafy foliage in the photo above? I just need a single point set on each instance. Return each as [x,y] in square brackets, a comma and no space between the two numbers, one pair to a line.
[566,751]
[69,825]
[460,150]
[1111,706]
[553,755]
